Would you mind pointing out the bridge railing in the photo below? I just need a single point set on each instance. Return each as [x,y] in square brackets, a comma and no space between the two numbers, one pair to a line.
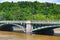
[34,21]
[46,21]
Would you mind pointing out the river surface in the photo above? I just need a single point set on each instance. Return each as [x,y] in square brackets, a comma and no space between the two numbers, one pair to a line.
[4,35]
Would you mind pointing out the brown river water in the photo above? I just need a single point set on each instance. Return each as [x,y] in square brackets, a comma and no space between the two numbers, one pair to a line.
[4,35]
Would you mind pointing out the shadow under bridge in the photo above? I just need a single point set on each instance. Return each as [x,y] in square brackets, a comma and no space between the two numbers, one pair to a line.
[9,27]
[45,28]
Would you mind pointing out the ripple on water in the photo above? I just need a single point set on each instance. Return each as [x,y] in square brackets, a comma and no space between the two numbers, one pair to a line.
[9,37]
[4,35]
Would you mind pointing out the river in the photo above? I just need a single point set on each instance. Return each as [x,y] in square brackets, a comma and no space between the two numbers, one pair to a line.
[5,35]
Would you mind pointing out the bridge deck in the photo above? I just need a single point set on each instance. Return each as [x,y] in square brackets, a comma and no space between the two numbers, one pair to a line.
[33,22]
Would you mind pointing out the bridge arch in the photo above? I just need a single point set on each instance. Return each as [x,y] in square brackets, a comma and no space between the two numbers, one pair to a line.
[45,29]
[9,27]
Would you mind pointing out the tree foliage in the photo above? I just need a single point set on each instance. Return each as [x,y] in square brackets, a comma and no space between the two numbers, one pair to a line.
[29,11]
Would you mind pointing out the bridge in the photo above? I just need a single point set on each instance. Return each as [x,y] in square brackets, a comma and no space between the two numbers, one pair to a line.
[30,26]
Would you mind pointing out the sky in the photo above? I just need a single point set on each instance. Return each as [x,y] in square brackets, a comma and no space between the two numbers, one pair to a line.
[51,1]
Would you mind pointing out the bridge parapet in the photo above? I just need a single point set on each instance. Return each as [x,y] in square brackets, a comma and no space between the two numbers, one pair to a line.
[11,22]
[45,22]
[32,22]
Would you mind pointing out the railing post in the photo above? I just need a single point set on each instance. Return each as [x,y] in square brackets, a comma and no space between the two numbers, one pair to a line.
[28,27]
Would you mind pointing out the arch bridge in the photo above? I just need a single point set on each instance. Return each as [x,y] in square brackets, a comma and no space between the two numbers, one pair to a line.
[30,26]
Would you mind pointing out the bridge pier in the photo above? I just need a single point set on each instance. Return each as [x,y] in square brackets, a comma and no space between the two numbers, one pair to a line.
[28,27]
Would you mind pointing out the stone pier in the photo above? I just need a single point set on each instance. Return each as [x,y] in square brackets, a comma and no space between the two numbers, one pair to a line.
[28,27]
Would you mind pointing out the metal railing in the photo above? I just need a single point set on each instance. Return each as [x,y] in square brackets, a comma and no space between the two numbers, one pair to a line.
[34,22]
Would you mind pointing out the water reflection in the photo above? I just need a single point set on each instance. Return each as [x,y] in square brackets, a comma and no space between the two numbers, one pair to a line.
[4,35]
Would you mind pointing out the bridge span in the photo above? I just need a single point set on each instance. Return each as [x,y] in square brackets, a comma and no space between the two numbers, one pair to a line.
[42,25]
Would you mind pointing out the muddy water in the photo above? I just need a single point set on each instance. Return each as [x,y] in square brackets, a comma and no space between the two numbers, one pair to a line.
[4,35]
